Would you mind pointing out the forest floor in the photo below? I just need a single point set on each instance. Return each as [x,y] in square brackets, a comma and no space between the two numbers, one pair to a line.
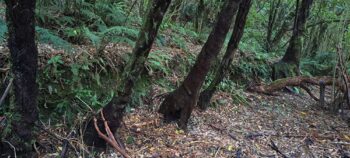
[289,123]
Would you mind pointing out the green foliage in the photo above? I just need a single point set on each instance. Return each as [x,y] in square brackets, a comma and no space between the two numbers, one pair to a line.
[80,21]
[47,36]
[158,62]
[67,89]
[322,64]
[3,30]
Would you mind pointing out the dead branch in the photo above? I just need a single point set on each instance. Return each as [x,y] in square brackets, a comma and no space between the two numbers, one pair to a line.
[65,146]
[296,81]
[309,92]
[341,143]
[275,148]
[4,69]
[2,99]
[109,138]
[343,73]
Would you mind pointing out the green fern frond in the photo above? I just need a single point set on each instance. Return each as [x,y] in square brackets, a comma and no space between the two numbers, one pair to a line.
[46,36]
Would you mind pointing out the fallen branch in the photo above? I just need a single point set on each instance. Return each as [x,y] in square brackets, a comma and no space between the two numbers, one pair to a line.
[109,138]
[309,92]
[275,148]
[295,81]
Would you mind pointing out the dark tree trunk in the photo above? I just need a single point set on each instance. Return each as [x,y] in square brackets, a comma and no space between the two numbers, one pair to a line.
[281,32]
[289,64]
[232,47]
[21,42]
[113,111]
[317,40]
[271,22]
[180,103]
[292,54]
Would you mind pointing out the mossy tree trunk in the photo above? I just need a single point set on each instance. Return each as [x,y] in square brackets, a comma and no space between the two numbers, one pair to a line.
[241,18]
[113,111]
[289,64]
[21,42]
[180,103]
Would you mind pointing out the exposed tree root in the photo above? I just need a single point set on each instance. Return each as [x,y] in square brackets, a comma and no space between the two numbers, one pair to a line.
[109,138]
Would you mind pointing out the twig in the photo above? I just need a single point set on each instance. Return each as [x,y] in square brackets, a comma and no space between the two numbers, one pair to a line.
[132,6]
[341,143]
[55,136]
[6,92]
[13,147]
[4,69]
[65,146]
[275,148]
[309,92]
[109,138]
[217,151]
[87,105]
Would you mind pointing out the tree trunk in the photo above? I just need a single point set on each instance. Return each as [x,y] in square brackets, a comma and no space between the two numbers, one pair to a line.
[316,40]
[282,31]
[180,103]
[271,22]
[289,64]
[21,42]
[232,47]
[113,111]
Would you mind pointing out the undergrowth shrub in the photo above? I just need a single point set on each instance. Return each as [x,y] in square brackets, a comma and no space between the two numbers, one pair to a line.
[322,64]
[81,21]
[69,88]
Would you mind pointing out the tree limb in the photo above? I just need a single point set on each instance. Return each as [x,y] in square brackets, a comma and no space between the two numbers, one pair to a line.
[296,81]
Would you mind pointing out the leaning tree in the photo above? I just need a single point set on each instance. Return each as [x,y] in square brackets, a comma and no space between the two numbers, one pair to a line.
[114,110]
[180,103]
[232,47]
[20,15]
[289,64]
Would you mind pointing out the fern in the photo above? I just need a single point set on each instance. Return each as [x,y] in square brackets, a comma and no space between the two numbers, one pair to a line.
[46,36]
[93,37]
[121,34]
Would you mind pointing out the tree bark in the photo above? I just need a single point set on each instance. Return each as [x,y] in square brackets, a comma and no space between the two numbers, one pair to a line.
[271,22]
[241,18]
[21,42]
[289,64]
[180,103]
[282,31]
[316,40]
[292,54]
[114,110]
